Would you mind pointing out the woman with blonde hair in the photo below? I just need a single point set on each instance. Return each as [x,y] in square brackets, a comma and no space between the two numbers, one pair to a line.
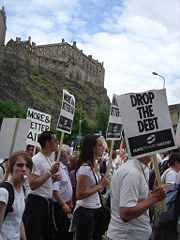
[11,226]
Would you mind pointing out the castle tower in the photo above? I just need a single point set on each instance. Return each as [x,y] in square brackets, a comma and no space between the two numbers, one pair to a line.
[2,26]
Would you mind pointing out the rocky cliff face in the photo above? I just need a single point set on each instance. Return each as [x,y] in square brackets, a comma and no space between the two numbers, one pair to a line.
[41,89]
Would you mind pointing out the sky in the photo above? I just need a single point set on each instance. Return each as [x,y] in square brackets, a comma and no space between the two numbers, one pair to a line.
[133,38]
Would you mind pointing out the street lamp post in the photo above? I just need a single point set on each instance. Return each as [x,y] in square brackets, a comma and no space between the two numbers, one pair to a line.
[155,73]
[80,121]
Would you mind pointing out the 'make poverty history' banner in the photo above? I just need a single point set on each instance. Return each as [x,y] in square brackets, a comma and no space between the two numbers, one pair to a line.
[147,122]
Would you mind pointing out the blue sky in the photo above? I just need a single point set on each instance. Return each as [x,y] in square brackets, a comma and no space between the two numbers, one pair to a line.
[132,38]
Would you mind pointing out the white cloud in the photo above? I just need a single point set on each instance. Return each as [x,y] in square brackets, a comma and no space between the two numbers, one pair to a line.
[132,37]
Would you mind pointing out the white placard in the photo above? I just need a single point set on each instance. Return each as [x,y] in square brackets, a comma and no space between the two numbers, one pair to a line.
[40,122]
[114,129]
[13,136]
[147,122]
[67,113]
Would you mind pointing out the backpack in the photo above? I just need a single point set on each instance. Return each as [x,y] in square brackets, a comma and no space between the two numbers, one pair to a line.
[2,168]
[8,186]
[168,219]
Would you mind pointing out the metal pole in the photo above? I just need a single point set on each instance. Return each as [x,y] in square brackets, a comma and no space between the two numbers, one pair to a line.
[155,73]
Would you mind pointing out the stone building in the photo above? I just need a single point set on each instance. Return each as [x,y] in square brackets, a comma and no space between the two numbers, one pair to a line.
[68,58]
[2,26]
[175,114]
[62,58]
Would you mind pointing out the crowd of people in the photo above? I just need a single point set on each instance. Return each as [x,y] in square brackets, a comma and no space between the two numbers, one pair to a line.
[60,199]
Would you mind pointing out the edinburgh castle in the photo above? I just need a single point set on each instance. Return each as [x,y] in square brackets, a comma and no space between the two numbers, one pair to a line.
[62,58]
[34,76]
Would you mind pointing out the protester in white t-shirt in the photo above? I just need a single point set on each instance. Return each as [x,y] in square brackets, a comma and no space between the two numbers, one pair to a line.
[87,189]
[38,215]
[130,201]
[171,177]
[62,197]
[11,226]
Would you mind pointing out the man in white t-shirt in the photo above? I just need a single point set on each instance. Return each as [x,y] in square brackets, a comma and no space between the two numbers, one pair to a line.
[38,215]
[130,201]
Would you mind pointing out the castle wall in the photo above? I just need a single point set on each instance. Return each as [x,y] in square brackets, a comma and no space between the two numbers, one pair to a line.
[62,58]
[2,27]
[71,61]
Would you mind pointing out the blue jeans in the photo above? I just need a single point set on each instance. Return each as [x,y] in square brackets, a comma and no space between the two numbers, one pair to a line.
[84,219]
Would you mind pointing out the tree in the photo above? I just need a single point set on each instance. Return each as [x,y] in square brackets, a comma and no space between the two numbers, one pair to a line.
[9,109]
[102,118]
[78,126]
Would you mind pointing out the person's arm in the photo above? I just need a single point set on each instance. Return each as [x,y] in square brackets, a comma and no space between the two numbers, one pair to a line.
[35,181]
[2,212]
[82,189]
[22,232]
[4,194]
[61,201]
[129,213]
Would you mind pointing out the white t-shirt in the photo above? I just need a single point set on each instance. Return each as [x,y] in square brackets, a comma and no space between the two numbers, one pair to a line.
[169,176]
[92,201]
[10,229]
[128,187]
[64,186]
[41,165]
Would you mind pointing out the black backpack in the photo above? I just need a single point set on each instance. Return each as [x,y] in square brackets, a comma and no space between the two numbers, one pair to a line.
[8,186]
[2,168]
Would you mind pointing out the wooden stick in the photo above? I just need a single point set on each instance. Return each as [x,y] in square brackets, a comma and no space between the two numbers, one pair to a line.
[108,169]
[158,177]
[60,145]
[14,136]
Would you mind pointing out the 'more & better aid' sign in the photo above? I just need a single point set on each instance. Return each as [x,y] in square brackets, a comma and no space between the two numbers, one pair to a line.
[147,123]
[40,122]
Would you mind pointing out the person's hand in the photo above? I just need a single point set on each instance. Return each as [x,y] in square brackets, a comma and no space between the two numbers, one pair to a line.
[66,208]
[159,193]
[55,167]
[105,181]
[56,177]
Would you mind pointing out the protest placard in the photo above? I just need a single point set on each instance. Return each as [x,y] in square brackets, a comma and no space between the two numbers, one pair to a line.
[147,122]
[13,136]
[114,129]
[40,122]
[66,113]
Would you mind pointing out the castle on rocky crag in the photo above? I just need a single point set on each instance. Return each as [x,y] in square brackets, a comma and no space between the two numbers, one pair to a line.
[61,58]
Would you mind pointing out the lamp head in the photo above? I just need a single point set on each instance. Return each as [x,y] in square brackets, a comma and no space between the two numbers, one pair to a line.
[154,73]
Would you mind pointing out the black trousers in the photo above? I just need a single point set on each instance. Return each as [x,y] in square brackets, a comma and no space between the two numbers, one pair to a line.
[38,218]
[62,223]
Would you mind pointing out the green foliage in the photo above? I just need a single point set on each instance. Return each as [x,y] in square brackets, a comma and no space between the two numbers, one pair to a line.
[102,118]
[9,109]
[80,124]
[85,125]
